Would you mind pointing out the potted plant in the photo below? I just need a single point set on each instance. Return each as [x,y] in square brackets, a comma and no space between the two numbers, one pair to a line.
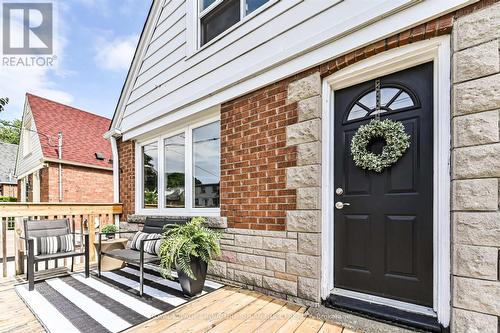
[109,230]
[189,248]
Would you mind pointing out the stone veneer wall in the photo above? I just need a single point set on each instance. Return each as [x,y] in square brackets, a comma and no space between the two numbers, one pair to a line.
[476,171]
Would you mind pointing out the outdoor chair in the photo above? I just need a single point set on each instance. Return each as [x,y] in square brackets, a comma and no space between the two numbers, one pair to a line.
[51,240]
[136,254]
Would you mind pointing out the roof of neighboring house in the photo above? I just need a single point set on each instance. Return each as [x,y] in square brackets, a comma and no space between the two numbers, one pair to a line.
[82,132]
[8,153]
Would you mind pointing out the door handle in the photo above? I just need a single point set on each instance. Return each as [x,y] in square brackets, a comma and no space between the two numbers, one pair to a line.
[340,204]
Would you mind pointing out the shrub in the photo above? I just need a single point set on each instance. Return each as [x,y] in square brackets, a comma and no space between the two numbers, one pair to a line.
[7,199]
[109,229]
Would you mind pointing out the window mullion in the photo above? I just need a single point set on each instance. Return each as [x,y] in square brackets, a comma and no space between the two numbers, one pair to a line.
[161,175]
[189,169]
[209,8]
[243,9]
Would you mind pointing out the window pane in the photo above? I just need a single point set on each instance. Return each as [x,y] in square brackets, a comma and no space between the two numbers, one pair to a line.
[150,171]
[205,4]
[254,4]
[219,20]
[174,171]
[206,166]
[403,101]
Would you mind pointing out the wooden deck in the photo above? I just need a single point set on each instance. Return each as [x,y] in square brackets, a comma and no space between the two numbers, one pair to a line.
[238,310]
[225,310]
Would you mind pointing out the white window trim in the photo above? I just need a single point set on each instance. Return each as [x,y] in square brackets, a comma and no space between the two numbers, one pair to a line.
[194,16]
[437,50]
[139,193]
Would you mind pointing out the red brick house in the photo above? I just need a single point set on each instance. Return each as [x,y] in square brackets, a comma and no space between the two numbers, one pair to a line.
[244,112]
[62,156]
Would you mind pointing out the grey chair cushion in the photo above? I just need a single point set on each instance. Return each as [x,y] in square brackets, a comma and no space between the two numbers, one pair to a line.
[131,256]
[43,228]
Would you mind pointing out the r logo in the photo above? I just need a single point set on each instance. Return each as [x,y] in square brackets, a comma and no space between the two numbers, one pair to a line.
[27,28]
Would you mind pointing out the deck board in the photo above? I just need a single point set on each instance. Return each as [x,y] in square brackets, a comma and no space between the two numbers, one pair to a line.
[228,309]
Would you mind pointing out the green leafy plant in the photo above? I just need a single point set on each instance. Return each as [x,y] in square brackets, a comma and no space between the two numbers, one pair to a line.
[183,242]
[109,229]
[7,199]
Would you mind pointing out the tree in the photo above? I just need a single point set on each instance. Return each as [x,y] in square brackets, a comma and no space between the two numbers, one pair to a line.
[3,102]
[10,131]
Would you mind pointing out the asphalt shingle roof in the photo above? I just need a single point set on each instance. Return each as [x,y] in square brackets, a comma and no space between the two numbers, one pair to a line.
[8,154]
[82,132]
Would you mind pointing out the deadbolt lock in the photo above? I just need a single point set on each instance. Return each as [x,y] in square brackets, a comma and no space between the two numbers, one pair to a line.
[339,191]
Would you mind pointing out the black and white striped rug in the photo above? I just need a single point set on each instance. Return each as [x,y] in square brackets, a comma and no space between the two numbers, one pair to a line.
[110,304]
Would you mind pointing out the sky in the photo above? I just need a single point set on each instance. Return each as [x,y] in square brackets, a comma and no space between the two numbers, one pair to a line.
[94,42]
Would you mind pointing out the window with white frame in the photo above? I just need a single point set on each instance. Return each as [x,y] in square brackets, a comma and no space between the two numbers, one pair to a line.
[183,176]
[216,16]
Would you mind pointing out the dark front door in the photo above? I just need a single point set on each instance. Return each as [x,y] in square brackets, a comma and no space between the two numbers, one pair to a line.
[383,238]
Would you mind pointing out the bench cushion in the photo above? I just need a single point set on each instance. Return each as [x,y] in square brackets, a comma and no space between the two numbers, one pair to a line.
[131,256]
[151,247]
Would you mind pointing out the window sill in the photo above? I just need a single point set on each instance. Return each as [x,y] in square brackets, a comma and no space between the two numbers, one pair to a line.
[209,212]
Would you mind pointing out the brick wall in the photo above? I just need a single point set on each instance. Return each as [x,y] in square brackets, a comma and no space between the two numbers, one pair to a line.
[254,158]
[126,155]
[8,190]
[44,185]
[80,184]
[476,171]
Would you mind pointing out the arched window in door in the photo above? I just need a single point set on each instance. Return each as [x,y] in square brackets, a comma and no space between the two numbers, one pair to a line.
[392,98]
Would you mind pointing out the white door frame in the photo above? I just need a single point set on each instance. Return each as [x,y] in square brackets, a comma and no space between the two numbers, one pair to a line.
[437,50]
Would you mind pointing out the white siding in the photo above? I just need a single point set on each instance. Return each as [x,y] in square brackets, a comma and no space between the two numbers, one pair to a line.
[265,46]
[27,163]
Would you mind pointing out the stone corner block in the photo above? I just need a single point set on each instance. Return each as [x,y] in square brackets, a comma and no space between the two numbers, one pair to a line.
[475,194]
[306,131]
[309,108]
[475,261]
[477,27]
[303,176]
[309,243]
[303,220]
[477,162]
[464,321]
[476,129]
[477,295]
[309,153]
[477,228]
[477,61]
[477,95]
[309,289]
[303,88]
[303,265]
[309,198]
